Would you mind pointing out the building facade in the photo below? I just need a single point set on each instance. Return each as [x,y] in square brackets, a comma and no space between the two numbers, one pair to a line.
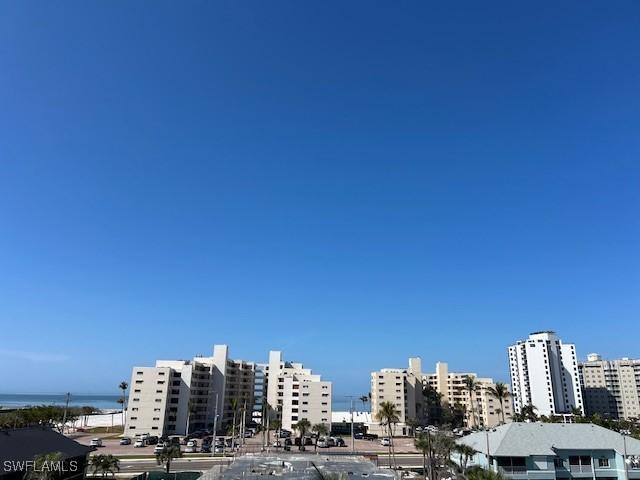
[611,388]
[544,373]
[406,389]
[294,392]
[550,451]
[176,397]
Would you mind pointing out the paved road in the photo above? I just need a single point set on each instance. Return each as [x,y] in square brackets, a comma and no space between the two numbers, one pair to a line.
[205,463]
[178,465]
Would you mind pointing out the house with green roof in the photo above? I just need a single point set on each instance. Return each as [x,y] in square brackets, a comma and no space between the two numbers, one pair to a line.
[549,451]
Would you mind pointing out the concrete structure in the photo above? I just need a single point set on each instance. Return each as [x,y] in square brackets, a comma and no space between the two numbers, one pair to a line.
[299,467]
[549,451]
[179,396]
[611,388]
[294,392]
[544,373]
[404,387]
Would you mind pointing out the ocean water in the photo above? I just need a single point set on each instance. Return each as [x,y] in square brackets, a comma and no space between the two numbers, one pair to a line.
[110,402]
[18,400]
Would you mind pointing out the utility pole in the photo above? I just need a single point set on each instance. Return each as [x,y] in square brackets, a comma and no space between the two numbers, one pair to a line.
[215,427]
[488,452]
[64,416]
[625,459]
[244,422]
[353,437]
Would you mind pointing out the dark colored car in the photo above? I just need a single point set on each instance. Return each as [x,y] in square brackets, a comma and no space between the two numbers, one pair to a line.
[370,436]
[358,436]
[205,448]
[152,440]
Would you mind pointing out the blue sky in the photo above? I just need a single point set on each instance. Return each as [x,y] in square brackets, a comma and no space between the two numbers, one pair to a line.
[351,182]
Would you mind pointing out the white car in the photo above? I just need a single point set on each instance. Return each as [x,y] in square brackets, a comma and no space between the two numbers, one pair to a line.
[385,442]
[139,443]
[96,442]
[158,449]
[192,447]
[323,442]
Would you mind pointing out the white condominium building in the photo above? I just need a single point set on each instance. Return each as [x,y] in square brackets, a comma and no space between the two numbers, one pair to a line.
[179,396]
[611,388]
[294,392]
[406,388]
[544,373]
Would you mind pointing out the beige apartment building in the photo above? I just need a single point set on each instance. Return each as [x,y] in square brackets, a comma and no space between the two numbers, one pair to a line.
[179,396]
[404,387]
[611,388]
[295,392]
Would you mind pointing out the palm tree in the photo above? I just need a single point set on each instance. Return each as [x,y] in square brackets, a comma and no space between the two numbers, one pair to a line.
[412,423]
[388,415]
[466,452]
[234,407]
[319,429]
[364,399]
[479,473]
[423,445]
[104,464]
[40,473]
[191,409]
[302,427]
[471,385]
[501,392]
[167,454]
[123,386]
[528,412]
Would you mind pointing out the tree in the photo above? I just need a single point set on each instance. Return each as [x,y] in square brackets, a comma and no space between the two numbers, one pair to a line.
[466,452]
[167,454]
[423,445]
[43,468]
[302,427]
[104,464]
[319,429]
[388,416]
[412,423]
[364,399]
[471,385]
[123,386]
[234,408]
[528,412]
[501,392]
[86,411]
[479,473]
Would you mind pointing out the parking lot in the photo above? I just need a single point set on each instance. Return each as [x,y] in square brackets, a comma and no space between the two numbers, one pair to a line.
[112,445]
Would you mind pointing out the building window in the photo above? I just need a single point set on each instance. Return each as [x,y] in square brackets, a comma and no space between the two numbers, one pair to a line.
[603,462]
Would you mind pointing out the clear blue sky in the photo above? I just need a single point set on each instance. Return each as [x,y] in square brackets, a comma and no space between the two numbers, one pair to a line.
[351,182]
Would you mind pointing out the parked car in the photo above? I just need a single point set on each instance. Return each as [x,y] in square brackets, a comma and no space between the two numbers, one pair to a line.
[218,449]
[284,434]
[152,440]
[323,442]
[139,443]
[96,442]
[358,436]
[385,442]
[205,448]
[158,449]
[370,436]
[248,434]
[339,442]
[192,447]
[125,441]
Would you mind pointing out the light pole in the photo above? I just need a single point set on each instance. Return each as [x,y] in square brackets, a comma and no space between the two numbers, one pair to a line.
[215,426]
[353,438]
[625,459]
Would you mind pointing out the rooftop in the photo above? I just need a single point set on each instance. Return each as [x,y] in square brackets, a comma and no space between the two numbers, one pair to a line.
[299,467]
[25,443]
[524,439]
